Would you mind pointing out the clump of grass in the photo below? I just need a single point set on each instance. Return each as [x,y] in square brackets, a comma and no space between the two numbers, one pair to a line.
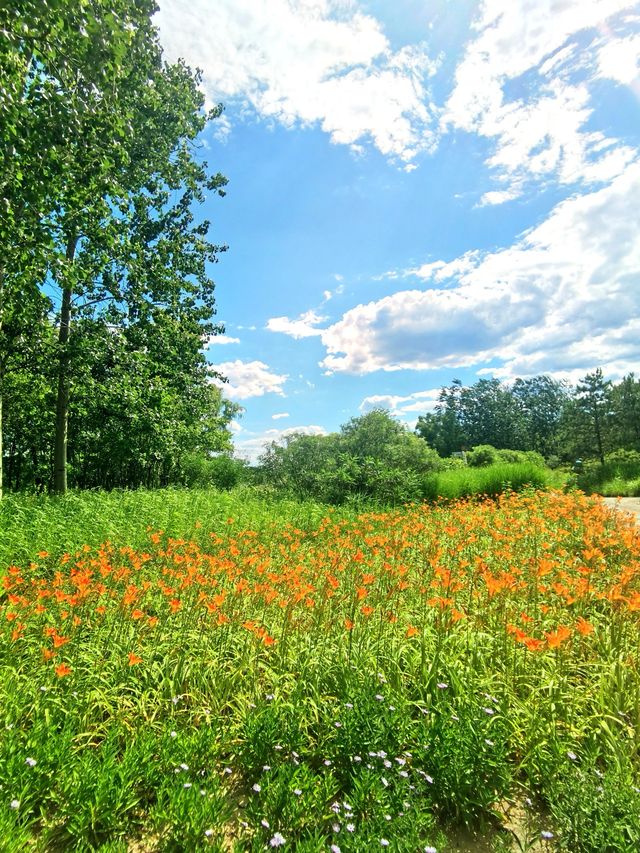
[491,480]
[280,675]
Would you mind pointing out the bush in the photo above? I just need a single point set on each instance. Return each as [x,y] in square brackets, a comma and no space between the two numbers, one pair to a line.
[481,455]
[221,472]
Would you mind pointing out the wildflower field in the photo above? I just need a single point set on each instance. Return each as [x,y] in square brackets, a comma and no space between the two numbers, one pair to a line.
[253,675]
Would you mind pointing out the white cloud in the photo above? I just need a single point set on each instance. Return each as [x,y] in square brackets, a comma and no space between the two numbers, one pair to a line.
[303,327]
[420,402]
[565,296]
[312,62]
[251,448]
[279,415]
[619,60]
[249,379]
[220,340]
[541,132]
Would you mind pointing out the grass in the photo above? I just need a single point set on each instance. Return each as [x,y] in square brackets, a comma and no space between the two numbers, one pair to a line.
[491,480]
[245,674]
[613,479]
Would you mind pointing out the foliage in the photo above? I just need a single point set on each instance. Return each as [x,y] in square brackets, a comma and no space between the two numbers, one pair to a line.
[100,177]
[538,415]
[251,673]
[372,457]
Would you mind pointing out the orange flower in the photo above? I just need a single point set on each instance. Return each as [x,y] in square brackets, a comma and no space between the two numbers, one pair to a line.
[134,659]
[583,627]
[348,624]
[532,644]
[175,605]
[366,610]
[62,670]
[137,613]
[412,631]
[268,640]
[59,641]
[556,638]
[43,554]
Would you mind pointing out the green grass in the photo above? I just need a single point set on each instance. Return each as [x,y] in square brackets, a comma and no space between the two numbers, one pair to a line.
[491,480]
[265,669]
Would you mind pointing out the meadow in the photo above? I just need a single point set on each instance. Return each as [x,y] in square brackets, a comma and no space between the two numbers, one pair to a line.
[191,670]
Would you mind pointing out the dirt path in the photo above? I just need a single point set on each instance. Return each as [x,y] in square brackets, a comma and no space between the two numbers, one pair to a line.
[631,505]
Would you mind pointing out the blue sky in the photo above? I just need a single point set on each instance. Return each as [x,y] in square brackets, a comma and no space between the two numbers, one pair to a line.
[418,191]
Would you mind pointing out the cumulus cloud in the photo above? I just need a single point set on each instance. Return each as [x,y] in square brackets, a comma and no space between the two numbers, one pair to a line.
[541,132]
[313,62]
[565,296]
[279,415]
[251,448]
[249,379]
[619,60]
[419,402]
[303,327]
[220,340]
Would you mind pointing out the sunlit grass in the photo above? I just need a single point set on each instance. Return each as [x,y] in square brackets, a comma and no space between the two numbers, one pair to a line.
[239,672]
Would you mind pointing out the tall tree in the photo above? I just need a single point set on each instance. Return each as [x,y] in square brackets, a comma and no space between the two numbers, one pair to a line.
[593,400]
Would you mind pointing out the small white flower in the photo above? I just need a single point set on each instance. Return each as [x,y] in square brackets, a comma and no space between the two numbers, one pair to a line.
[269,697]
[15,804]
[387,763]
[428,849]
[400,761]
[442,685]
[392,707]
[348,705]
[43,689]
[227,771]
[184,766]
[379,697]
[546,834]
[387,817]
[277,840]
[173,734]
[31,762]
[257,788]
[357,759]
[384,842]
[175,699]
[571,755]
[489,742]
[338,724]
[208,833]
[429,778]
[335,807]
[266,767]
[336,827]
[489,711]
[187,785]
[203,793]
[350,827]
[265,823]
[297,792]
[384,782]
[326,762]
[278,746]
[335,849]
[404,774]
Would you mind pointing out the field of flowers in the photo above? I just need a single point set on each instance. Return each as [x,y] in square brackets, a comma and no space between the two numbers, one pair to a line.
[330,682]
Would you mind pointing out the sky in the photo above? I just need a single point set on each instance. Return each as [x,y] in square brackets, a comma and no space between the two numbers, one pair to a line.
[419,190]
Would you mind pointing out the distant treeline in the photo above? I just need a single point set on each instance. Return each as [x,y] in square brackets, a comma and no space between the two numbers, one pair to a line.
[519,431]
[561,422]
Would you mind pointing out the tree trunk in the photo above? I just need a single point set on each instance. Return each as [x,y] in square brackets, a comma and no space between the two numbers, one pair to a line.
[64,381]
[1,371]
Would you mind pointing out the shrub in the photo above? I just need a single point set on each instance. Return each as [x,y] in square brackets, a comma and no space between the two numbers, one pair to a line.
[481,455]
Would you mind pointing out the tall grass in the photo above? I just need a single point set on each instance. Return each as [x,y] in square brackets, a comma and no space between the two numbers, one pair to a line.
[255,674]
[492,480]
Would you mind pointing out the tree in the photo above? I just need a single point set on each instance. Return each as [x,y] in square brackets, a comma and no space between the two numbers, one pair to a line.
[541,400]
[593,401]
[105,132]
